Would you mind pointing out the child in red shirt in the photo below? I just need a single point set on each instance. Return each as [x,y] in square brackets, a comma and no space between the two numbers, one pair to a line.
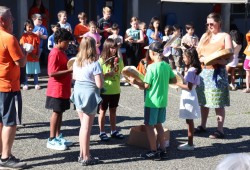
[59,88]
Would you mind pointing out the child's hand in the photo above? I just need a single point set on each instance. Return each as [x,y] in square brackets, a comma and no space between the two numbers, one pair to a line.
[110,74]
[108,30]
[131,80]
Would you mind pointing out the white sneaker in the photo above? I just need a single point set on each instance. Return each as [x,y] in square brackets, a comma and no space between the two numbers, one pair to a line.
[37,87]
[56,145]
[232,87]
[185,147]
[25,87]
[63,140]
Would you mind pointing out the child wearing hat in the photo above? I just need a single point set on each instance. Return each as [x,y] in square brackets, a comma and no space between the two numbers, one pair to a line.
[156,82]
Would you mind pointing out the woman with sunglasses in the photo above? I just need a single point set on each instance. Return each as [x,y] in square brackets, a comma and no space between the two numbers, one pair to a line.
[213,91]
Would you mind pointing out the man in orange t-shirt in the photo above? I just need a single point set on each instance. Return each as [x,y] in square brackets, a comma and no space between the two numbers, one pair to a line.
[11,59]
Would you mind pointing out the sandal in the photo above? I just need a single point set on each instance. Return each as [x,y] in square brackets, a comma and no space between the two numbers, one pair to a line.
[217,135]
[104,137]
[91,161]
[117,135]
[246,91]
[200,129]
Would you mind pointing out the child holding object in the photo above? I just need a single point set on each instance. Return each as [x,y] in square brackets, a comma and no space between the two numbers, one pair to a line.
[189,106]
[32,65]
[156,83]
[112,67]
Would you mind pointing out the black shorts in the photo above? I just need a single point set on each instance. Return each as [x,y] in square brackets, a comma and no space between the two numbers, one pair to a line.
[109,101]
[58,105]
[11,108]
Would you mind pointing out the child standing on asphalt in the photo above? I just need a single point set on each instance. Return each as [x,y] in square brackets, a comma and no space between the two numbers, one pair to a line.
[58,89]
[112,66]
[156,82]
[87,73]
[189,106]
[32,65]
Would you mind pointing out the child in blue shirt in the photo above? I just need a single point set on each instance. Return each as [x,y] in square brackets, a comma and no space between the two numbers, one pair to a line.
[51,42]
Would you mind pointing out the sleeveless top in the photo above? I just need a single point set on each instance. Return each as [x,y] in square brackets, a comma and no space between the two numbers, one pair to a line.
[134,33]
[211,47]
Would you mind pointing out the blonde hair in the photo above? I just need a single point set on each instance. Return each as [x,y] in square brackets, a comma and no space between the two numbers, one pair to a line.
[106,10]
[87,52]
[134,19]
[59,14]
[207,37]
[82,15]
[35,16]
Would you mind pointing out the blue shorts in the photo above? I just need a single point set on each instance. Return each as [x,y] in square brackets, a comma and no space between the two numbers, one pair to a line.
[153,116]
[11,108]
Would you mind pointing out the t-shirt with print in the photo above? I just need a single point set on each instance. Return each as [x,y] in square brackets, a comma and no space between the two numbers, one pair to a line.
[51,41]
[10,52]
[60,86]
[112,84]
[87,72]
[158,77]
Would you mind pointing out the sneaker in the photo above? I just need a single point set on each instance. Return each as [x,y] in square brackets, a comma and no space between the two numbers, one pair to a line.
[56,145]
[232,87]
[63,140]
[37,87]
[154,155]
[12,163]
[185,147]
[25,87]
[126,84]
[163,154]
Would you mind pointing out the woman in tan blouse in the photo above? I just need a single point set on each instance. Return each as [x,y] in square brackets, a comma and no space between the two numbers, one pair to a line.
[213,92]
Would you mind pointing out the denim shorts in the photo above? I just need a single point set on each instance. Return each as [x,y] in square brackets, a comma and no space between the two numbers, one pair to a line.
[153,116]
[11,108]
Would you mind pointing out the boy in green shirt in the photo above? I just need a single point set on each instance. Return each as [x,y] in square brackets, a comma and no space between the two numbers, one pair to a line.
[156,82]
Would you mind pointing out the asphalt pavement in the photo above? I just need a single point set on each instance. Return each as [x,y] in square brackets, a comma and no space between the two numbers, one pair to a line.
[31,138]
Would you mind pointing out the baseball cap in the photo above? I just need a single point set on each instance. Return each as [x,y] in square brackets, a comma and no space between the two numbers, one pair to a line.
[156,47]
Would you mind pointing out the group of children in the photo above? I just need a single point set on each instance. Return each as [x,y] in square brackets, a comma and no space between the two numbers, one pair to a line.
[97,72]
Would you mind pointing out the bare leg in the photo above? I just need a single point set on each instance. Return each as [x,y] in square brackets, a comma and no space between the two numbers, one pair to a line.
[101,120]
[204,115]
[112,118]
[247,78]
[220,112]
[84,137]
[233,76]
[160,135]
[190,124]
[54,124]
[8,136]
[1,144]
[59,123]
[151,137]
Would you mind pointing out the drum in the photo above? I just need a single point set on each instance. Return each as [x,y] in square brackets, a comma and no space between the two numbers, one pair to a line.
[131,71]
[71,62]
[179,79]
[220,54]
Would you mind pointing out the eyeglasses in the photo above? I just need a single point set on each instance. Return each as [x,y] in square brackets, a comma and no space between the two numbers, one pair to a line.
[39,19]
[210,24]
